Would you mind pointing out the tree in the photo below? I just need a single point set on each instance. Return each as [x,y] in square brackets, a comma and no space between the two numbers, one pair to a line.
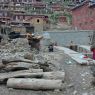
[54,17]
[69,17]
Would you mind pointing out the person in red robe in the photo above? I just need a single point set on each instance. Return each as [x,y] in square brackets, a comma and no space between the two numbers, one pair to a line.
[93,50]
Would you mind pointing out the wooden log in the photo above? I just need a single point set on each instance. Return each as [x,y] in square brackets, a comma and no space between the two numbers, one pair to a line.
[19,74]
[21,64]
[14,59]
[34,84]
[14,66]
[30,70]
[2,66]
[9,69]
[28,74]
[35,70]
[54,75]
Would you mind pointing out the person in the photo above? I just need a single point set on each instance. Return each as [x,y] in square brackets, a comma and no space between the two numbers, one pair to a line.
[93,50]
[29,38]
[50,47]
[71,45]
[0,38]
[34,41]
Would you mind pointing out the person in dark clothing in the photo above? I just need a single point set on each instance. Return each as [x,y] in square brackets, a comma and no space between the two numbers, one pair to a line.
[34,41]
[71,45]
[30,40]
[50,47]
[0,38]
[92,48]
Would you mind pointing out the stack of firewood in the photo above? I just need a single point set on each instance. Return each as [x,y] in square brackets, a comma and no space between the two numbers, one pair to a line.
[29,74]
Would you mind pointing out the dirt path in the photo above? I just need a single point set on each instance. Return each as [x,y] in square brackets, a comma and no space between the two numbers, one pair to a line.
[78,78]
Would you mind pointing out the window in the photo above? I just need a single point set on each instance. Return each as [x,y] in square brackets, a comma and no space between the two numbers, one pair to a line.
[38,0]
[85,23]
[38,21]
[91,22]
[80,24]
[90,13]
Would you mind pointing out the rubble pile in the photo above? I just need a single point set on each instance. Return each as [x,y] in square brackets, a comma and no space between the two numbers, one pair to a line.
[16,45]
[20,68]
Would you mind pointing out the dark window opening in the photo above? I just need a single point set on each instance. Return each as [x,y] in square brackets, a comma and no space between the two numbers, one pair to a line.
[80,24]
[85,23]
[38,0]
[38,20]
[26,24]
[30,29]
[91,22]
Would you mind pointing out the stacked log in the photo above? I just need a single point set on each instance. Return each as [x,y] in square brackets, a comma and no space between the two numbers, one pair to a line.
[28,74]
[14,59]
[14,66]
[34,84]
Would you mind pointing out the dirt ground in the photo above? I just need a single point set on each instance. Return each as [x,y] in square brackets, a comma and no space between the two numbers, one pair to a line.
[77,79]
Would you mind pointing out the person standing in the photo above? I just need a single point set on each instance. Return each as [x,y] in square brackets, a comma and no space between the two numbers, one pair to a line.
[34,41]
[93,50]
[0,38]
[29,38]
[71,45]
[50,47]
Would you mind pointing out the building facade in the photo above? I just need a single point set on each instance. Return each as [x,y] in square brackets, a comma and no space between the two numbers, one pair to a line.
[13,12]
[83,16]
[56,7]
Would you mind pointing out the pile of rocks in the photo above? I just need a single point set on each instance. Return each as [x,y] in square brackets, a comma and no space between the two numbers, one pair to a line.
[16,45]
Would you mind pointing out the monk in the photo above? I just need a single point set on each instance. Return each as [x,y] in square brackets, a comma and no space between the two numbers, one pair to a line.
[93,50]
